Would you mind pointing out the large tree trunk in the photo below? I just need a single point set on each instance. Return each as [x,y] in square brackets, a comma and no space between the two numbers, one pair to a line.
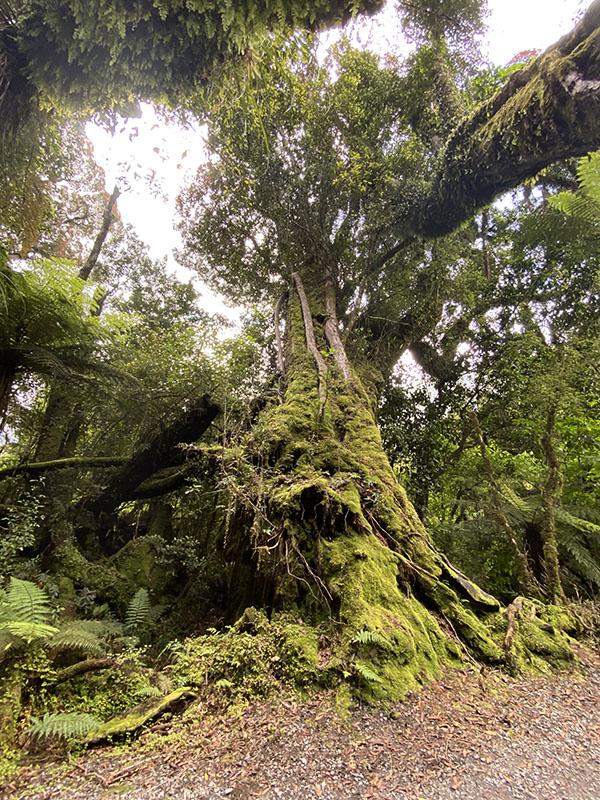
[331,532]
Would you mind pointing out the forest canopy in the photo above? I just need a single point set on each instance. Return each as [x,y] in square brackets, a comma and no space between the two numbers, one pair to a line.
[392,465]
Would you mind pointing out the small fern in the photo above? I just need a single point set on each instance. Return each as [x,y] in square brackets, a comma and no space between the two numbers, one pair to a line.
[138,610]
[148,691]
[366,673]
[63,726]
[369,637]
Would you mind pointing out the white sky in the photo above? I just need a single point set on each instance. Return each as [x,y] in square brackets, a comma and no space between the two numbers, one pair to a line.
[146,146]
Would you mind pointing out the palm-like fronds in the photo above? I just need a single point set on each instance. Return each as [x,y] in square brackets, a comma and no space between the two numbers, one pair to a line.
[63,726]
[25,602]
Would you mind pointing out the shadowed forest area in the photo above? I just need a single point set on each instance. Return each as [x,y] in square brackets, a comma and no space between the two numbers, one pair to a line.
[385,477]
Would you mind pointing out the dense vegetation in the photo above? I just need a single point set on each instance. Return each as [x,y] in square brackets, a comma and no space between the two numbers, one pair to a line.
[393,464]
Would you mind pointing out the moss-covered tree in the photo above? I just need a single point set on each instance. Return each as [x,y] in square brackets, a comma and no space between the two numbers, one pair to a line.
[326,189]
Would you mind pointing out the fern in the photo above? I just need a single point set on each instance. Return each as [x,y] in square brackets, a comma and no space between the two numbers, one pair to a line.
[149,691]
[366,673]
[138,610]
[28,631]
[26,602]
[73,637]
[584,205]
[63,726]
[583,562]
[25,613]
[369,637]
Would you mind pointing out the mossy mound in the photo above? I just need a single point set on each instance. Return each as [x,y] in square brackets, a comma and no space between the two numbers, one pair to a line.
[252,658]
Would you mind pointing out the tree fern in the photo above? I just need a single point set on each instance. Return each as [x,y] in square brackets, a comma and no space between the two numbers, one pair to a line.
[583,562]
[73,636]
[584,205]
[63,726]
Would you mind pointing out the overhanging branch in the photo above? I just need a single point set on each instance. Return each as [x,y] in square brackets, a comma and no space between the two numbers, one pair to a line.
[548,111]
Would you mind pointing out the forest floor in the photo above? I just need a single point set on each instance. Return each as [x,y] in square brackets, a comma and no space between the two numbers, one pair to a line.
[469,736]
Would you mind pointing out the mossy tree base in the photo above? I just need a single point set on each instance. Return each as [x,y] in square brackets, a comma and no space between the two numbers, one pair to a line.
[335,539]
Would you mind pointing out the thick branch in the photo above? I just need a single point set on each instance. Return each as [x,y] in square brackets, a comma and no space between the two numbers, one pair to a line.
[524,574]
[332,333]
[153,457]
[547,111]
[278,341]
[81,668]
[84,462]
[551,493]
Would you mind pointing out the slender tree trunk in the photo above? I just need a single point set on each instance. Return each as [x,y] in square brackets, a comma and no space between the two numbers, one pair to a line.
[329,530]
[551,494]
[524,576]
[7,377]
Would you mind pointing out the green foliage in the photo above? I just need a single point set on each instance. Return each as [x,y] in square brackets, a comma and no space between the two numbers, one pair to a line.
[369,637]
[164,49]
[63,726]
[366,672]
[27,602]
[584,205]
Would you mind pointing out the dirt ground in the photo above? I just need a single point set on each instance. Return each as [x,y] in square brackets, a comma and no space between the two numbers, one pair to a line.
[468,736]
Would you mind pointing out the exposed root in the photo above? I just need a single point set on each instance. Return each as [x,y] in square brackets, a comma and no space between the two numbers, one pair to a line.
[311,341]
[278,340]
[332,333]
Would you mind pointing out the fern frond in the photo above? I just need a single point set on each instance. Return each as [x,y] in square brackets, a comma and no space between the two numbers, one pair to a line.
[149,691]
[28,602]
[80,641]
[366,673]
[104,630]
[369,637]
[28,632]
[63,726]
[588,174]
[583,562]
[579,524]
[138,610]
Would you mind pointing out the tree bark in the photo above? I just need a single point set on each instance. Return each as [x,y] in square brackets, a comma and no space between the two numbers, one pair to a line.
[524,576]
[77,462]
[161,452]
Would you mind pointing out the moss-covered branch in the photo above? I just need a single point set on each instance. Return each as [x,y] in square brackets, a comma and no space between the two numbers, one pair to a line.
[77,462]
[82,668]
[547,111]
[186,429]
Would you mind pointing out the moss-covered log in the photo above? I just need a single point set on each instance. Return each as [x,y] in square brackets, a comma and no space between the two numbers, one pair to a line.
[547,111]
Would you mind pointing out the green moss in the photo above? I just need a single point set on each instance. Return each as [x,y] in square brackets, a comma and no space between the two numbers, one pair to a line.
[252,658]
[406,646]
[107,582]
[137,563]
[133,719]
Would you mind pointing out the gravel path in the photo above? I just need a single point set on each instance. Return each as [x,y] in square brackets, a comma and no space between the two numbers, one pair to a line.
[466,737]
